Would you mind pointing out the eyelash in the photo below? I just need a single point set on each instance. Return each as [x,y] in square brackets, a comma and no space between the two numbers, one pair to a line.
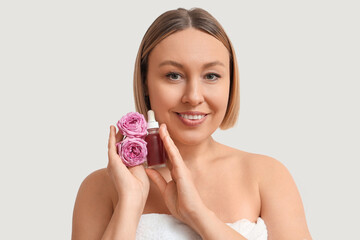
[174,73]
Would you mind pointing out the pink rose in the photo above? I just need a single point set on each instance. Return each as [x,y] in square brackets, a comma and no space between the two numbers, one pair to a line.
[133,124]
[132,151]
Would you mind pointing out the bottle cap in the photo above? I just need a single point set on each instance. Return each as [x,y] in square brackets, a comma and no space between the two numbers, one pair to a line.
[152,123]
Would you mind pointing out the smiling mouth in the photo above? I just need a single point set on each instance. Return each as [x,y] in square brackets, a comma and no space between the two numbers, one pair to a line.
[192,119]
[192,116]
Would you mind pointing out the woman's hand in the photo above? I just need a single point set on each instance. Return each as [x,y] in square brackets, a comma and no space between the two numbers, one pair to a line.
[180,194]
[132,184]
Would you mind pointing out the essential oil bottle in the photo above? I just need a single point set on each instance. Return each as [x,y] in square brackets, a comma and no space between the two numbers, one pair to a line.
[156,152]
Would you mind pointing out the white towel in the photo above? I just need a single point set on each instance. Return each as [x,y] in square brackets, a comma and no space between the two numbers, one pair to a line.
[163,226]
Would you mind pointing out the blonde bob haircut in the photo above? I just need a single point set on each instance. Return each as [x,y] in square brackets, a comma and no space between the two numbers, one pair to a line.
[169,23]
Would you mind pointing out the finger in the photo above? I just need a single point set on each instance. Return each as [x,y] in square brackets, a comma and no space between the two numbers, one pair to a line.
[119,137]
[168,162]
[112,140]
[156,177]
[112,151]
[170,147]
[138,171]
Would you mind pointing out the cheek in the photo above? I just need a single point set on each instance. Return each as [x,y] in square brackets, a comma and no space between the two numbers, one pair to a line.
[218,97]
[160,94]
[163,98]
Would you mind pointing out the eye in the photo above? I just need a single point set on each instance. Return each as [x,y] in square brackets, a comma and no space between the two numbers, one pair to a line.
[173,76]
[212,76]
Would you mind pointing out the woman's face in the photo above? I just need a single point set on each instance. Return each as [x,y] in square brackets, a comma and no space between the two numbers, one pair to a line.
[189,72]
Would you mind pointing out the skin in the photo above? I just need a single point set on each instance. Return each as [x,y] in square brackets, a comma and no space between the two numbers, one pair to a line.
[190,88]
[205,184]
[194,88]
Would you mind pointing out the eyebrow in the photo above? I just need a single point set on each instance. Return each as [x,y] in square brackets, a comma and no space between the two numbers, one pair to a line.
[176,64]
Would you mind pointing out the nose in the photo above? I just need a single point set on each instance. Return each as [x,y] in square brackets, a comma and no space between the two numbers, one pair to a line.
[193,93]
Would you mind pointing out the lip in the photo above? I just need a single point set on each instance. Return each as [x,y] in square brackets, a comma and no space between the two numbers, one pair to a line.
[192,123]
[193,113]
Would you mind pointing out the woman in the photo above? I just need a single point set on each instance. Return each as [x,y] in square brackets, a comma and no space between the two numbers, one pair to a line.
[186,66]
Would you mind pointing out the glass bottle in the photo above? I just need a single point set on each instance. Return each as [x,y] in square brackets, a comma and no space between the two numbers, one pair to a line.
[155,148]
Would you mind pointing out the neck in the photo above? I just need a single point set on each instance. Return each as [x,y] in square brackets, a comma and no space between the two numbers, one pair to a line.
[196,156]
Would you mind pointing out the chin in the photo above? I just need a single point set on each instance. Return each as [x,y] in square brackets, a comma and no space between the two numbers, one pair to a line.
[190,139]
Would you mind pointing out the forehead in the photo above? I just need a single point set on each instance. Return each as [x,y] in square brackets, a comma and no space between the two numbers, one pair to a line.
[190,46]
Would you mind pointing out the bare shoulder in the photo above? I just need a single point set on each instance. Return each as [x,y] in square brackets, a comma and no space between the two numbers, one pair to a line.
[281,205]
[259,165]
[266,166]
[93,206]
[99,183]
[271,173]
[97,177]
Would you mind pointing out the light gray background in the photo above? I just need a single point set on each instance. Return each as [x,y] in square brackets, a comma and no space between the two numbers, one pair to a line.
[66,72]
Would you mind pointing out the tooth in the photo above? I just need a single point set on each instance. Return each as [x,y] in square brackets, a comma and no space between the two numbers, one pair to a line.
[192,117]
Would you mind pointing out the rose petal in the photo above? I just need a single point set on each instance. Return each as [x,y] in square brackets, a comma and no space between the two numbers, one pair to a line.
[133,124]
[132,151]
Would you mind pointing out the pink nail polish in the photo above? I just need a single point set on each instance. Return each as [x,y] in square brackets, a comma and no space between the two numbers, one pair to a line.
[156,152]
